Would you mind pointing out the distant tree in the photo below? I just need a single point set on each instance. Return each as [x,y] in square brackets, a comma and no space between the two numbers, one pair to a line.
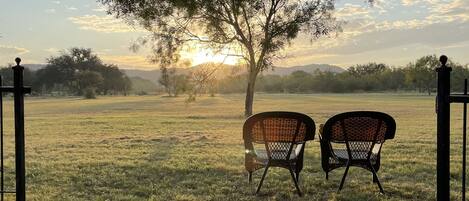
[366,69]
[87,81]
[7,76]
[458,74]
[201,79]
[298,82]
[257,29]
[114,80]
[392,79]
[165,79]
[422,75]
[78,69]
[271,84]
[180,83]
[233,83]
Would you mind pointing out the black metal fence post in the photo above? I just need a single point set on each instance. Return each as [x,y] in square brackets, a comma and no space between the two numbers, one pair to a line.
[19,131]
[443,131]
[464,142]
[2,166]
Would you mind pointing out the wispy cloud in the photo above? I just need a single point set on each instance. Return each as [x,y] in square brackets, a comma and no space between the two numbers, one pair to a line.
[71,8]
[106,24]
[353,11]
[99,9]
[50,10]
[55,2]
[129,61]
[52,50]
[386,30]
[457,10]
[12,50]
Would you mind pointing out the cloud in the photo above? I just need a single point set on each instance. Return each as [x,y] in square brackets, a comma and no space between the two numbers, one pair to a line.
[71,8]
[50,10]
[106,24]
[52,50]
[99,9]
[457,10]
[410,2]
[12,50]
[353,11]
[129,61]
[55,2]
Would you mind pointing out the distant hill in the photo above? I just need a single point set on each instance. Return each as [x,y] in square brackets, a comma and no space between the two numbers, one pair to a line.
[151,75]
[140,85]
[154,75]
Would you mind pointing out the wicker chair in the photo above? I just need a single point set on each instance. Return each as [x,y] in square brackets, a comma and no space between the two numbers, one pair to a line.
[276,139]
[355,139]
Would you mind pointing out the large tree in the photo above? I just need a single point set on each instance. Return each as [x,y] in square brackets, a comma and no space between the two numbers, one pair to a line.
[255,29]
[78,69]
[422,75]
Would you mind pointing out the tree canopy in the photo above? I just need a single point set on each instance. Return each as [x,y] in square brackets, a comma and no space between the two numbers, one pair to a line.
[79,70]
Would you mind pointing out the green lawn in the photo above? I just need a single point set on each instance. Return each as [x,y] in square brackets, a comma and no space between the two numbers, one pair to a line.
[158,148]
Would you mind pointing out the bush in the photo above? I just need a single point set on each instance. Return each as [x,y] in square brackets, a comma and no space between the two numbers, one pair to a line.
[142,93]
[89,93]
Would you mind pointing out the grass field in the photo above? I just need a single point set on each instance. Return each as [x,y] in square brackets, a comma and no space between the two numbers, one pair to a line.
[157,148]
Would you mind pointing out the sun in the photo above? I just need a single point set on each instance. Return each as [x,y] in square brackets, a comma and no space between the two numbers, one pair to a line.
[207,55]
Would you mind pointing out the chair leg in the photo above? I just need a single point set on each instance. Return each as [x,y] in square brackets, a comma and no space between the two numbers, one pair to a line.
[250,177]
[262,179]
[297,177]
[295,181]
[327,175]
[375,178]
[343,177]
[375,175]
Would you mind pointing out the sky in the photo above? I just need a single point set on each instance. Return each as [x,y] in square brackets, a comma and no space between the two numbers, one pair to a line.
[394,32]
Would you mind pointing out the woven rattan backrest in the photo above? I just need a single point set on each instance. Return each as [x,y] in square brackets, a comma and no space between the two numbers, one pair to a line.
[278,127]
[364,126]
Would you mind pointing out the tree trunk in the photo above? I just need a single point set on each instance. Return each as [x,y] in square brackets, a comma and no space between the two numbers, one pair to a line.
[249,94]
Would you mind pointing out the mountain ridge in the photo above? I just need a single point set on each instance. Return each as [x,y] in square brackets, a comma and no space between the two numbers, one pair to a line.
[154,74]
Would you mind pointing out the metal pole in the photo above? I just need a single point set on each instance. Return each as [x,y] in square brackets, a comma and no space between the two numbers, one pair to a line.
[464,145]
[443,120]
[1,145]
[19,131]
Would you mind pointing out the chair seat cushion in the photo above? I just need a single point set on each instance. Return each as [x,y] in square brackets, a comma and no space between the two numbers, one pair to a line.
[342,155]
[277,154]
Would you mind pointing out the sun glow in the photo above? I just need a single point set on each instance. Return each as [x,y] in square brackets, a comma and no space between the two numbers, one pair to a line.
[206,55]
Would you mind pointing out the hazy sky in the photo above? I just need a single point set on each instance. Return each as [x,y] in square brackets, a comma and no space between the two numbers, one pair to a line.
[392,31]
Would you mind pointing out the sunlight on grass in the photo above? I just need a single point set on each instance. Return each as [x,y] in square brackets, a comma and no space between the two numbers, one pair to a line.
[156,148]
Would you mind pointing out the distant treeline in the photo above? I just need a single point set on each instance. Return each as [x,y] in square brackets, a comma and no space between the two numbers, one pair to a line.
[419,77]
[77,72]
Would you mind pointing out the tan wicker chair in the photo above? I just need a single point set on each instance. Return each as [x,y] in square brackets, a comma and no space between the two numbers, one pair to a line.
[276,139]
[355,139]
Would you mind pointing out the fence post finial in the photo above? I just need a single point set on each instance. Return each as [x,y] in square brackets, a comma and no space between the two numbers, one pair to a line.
[443,60]
[18,61]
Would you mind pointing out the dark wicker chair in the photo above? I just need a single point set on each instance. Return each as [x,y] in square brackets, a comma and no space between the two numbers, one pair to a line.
[276,139]
[355,139]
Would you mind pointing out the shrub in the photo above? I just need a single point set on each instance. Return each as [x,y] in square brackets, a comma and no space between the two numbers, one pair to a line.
[89,93]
